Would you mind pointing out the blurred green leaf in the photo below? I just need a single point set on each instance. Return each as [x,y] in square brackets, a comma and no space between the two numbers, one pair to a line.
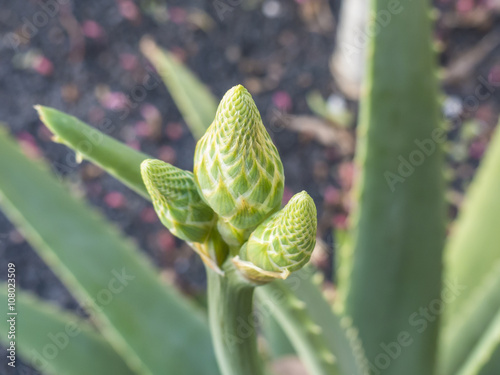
[195,102]
[399,220]
[472,261]
[319,107]
[482,358]
[277,341]
[57,342]
[300,307]
[149,324]
[116,158]
[492,365]
[304,334]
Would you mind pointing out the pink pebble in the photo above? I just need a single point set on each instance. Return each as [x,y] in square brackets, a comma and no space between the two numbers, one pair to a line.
[26,137]
[167,154]
[142,129]
[165,240]
[177,15]
[174,131]
[340,221]
[464,6]
[494,76]
[287,195]
[128,61]
[92,29]
[115,101]
[476,149]
[28,145]
[150,113]
[346,174]
[43,65]
[282,100]
[129,10]
[114,199]
[331,195]
[148,215]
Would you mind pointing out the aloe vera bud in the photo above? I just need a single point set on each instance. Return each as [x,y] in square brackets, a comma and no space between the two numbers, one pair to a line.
[282,244]
[177,202]
[238,168]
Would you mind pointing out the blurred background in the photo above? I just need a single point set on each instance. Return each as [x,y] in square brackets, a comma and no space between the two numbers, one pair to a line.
[302,61]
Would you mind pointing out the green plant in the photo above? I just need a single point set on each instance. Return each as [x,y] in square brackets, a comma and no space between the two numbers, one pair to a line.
[398,310]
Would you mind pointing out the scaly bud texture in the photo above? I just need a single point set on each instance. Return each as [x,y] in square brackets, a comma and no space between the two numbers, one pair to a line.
[238,168]
[176,201]
[282,244]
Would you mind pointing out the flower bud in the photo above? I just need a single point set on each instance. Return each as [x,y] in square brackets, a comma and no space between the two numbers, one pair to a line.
[238,168]
[282,244]
[177,202]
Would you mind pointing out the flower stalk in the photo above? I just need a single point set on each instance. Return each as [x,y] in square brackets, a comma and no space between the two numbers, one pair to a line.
[228,210]
[233,323]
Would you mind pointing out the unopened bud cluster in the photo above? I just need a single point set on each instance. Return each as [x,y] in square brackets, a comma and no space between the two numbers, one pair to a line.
[233,198]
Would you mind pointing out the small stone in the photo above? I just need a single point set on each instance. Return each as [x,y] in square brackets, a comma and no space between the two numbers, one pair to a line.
[271,9]
[114,199]
[92,29]
[282,101]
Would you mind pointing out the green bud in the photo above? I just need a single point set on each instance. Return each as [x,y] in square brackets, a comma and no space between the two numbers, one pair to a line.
[177,202]
[282,244]
[238,168]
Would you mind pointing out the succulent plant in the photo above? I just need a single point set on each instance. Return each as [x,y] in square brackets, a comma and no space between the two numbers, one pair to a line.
[238,168]
[386,316]
[238,183]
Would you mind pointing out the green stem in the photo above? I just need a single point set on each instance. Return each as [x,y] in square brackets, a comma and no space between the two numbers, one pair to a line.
[232,322]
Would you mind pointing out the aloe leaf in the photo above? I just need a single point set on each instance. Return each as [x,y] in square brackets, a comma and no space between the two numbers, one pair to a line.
[305,335]
[277,341]
[482,358]
[146,322]
[56,342]
[399,222]
[119,160]
[492,365]
[194,100]
[311,324]
[472,262]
